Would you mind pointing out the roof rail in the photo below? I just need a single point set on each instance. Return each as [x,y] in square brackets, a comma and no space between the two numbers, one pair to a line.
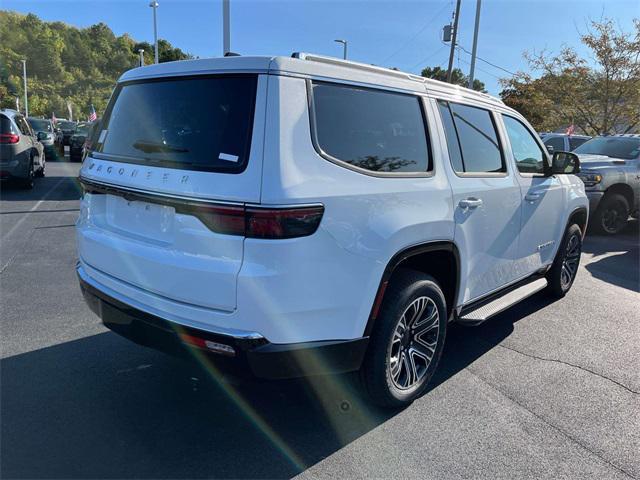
[358,66]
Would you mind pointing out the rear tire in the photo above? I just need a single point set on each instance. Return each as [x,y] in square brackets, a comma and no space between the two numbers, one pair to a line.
[565,266]
[27,183]
[407,340]
[612,214]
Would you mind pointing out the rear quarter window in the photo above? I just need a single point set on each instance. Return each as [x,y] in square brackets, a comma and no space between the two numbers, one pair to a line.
[372,130]
[191,123]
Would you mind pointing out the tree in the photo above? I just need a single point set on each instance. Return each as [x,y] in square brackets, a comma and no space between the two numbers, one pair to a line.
[599,96]
[66,64]
[457,77]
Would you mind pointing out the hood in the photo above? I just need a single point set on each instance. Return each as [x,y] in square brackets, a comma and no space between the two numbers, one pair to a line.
[590,161]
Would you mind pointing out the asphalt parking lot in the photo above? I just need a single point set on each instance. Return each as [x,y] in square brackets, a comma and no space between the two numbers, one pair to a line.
[544,390]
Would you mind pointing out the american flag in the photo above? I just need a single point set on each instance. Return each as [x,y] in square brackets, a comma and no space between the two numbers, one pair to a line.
[571,129]
[92,114]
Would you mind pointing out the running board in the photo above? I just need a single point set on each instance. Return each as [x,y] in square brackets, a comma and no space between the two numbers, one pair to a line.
[479,314]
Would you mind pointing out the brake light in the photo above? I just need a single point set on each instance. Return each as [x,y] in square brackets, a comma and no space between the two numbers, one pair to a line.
[9,138]
[260,222]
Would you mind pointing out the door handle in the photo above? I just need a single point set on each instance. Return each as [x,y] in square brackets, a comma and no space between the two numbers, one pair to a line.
[470,202]
[532,197]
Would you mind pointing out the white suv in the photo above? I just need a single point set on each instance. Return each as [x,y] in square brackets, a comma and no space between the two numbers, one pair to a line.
[306,215]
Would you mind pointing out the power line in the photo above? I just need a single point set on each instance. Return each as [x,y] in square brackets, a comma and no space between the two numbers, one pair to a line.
[486,61]
[428,57]
[416,35]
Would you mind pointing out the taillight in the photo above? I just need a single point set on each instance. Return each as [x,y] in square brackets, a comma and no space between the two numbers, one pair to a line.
[258,222]
[9,138]
[282,222]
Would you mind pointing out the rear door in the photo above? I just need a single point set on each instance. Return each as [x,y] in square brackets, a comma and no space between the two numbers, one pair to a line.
[171,162]
[486,200]
[543,199]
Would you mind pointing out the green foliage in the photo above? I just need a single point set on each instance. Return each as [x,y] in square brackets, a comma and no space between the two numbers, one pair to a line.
[66,64]
[457,77]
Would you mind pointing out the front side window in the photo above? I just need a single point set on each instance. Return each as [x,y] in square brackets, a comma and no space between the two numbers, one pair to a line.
[192,123]
[526,151]
[375,130]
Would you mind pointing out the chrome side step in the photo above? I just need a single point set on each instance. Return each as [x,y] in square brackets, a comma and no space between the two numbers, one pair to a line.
[483,312]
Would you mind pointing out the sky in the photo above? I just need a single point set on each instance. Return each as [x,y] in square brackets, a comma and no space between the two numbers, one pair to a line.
[402,34]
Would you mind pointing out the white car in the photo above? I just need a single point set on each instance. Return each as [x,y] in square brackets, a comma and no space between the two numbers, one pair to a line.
[304,215]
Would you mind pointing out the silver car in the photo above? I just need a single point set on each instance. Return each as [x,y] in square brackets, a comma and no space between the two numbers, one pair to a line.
[21,154]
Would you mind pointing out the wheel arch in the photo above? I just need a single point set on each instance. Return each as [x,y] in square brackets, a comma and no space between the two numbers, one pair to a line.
[579,216]
[440,259]
[623,189]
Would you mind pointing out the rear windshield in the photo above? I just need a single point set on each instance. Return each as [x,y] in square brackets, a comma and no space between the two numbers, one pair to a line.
[5,125]
[39,125]
[66,125]
[82,128]
[626,148]
[193,123]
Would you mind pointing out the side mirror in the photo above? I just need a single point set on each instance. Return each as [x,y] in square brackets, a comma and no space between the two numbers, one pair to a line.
[565,163]
[41,135]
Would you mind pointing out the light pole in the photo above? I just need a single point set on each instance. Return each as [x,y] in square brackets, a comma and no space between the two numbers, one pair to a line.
[24,79]
[475,45]
[226,27]
[344,47]
[141,52]
[155,6]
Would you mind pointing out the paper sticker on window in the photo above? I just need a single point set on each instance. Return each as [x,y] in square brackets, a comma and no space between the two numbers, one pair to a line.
[227,157]
[103,135]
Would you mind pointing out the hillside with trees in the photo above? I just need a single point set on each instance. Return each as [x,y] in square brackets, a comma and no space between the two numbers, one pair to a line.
[66,64]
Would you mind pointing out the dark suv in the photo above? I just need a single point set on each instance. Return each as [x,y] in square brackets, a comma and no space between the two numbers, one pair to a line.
[77,141]
[21,154]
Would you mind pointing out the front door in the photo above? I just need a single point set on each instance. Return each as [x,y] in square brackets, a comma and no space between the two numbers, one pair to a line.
[486,199]
[542,198]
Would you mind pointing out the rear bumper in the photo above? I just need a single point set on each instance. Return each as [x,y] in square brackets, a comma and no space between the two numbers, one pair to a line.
[252,353]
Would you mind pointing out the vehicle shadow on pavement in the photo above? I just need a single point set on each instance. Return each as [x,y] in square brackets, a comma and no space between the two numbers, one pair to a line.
[622,267]
[47,188]
[101,407]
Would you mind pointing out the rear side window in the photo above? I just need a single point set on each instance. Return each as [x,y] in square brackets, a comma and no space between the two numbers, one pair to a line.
[375,130]
[191,123]
[576,142]
[557,143]
[472,139]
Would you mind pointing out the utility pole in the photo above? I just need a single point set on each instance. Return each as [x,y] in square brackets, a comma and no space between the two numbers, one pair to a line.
[141,52]
[453,41]
[155,6]
[344,47]
[226,27]
[474,50]
[24,80]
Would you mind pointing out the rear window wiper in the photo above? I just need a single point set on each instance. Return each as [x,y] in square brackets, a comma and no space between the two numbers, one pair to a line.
[152,147]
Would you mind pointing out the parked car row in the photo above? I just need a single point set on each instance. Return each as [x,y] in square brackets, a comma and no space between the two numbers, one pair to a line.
[22,154]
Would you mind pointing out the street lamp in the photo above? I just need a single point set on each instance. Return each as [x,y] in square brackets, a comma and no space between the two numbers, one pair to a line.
[24,79]
[344,47]
[155,6]
[141,52]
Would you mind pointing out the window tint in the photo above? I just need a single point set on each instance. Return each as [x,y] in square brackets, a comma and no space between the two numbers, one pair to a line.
[526,151]
[375,130]
[452,137]
[556,142]
[576,142]
[6,125]
[22,125]
[478,139]
[40,125]
[196,123]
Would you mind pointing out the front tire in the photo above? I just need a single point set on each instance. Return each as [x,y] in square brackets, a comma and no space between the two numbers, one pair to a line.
[565,266]
[407,340]
[612,214]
